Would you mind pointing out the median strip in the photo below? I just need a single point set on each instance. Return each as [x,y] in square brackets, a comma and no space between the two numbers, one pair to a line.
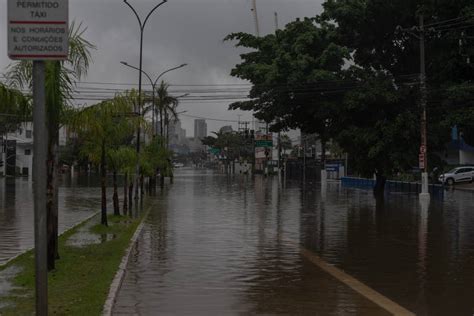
[80,284]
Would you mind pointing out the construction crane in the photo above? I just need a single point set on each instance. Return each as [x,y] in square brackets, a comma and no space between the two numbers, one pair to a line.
[255,16]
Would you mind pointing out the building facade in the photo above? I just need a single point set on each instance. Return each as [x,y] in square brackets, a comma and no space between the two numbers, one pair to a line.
[200,129]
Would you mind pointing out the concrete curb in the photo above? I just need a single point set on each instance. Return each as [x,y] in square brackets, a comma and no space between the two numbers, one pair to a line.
[119,276]
[31,248]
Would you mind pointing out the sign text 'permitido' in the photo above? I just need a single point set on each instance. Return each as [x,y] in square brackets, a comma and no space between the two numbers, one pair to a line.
[38,30]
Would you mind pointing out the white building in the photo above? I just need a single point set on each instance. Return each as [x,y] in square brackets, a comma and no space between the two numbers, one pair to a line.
[17,152]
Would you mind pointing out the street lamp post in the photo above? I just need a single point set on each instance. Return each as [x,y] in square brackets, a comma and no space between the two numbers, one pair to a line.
[142,28]
[153,86]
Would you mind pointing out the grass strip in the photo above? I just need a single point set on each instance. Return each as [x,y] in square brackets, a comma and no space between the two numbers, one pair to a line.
[81,281]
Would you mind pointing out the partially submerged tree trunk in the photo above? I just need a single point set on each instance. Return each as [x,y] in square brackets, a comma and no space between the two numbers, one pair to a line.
[103,182]
[115,197]
[125,195]
[379,188]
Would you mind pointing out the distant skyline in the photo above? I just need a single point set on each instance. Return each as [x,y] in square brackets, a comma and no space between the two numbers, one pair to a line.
[181,31]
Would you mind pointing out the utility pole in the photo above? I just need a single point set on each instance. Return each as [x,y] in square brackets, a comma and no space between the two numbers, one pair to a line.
[424,97]
[304,158]
[423,156]
[255,17]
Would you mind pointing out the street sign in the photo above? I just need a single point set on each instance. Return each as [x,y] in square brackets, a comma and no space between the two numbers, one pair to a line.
[38,29]
[421,159]
[422,149]
[332,167]
[264,143]
[214,151]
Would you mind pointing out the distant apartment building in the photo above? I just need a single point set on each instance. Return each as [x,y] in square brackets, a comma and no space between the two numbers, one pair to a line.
[17,152]
[176,134]
[200,129]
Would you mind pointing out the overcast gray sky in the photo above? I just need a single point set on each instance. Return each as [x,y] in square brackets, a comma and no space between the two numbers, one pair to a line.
[180,31]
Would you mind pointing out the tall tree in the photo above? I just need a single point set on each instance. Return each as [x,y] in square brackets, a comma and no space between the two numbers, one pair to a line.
[105,127]
[61,77]
[296,75]
[15,108]
[383,116]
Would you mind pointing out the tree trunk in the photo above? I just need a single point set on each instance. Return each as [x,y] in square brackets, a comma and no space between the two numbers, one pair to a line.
[115,197]
[103,178]
[142,185]
[130,197]
[161,124]
[125,195]
[379,188]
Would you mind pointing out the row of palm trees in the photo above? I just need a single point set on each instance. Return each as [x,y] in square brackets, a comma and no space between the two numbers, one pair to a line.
[106,135]
[104,130]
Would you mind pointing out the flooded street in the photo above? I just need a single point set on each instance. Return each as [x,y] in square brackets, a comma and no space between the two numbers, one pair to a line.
[77,201]
[229,245]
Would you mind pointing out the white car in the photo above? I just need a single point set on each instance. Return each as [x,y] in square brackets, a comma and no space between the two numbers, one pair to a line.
[459,174]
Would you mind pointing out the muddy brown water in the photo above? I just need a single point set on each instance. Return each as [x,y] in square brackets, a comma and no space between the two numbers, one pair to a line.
[218,245]
[78,199]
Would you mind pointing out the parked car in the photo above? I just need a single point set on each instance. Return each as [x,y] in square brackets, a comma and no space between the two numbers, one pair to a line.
[178,164]
[459,174]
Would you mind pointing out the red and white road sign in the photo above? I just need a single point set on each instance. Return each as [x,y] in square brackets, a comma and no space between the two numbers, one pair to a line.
[421,159]
[38,29]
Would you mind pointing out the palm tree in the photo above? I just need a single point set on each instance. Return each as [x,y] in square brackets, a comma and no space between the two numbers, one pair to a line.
[165,106]
[15,108]
[61,77]
[127,161]
[105,127]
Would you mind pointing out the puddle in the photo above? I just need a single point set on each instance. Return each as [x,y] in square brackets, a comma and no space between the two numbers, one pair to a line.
[6,286]
[84,237]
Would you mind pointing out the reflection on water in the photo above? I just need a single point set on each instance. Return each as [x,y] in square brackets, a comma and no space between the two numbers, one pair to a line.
[226,245]
[85,237]
[216,245]
[78,199]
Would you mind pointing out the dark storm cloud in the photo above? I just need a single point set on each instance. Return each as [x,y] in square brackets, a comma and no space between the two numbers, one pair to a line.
[181,31]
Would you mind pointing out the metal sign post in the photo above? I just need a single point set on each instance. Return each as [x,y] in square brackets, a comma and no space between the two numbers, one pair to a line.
[39,177]
[38,31]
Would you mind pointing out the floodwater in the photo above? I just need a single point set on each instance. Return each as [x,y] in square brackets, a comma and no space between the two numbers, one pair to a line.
[78,199]
[218,245]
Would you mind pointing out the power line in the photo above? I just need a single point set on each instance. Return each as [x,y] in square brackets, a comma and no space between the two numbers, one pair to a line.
[209,118]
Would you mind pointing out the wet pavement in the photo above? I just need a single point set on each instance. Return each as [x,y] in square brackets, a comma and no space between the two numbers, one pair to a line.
[220,245]
[78,199]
